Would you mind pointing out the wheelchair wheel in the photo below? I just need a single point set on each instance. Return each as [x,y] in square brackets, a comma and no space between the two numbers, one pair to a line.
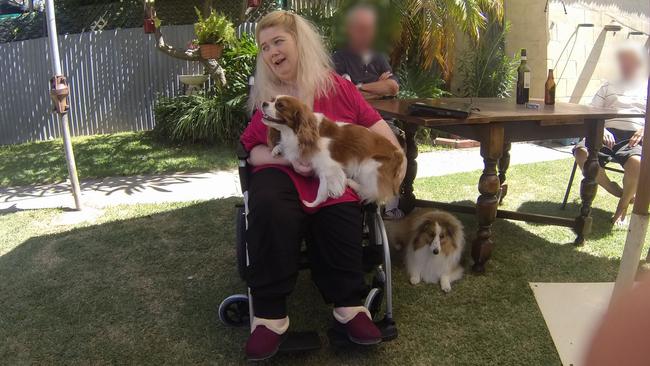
[241,241]
[374,301]
[234,312]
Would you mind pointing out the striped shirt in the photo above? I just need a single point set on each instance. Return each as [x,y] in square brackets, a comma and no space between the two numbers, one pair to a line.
[625,97]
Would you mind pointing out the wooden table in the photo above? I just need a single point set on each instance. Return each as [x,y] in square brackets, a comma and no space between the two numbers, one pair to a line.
[496,123]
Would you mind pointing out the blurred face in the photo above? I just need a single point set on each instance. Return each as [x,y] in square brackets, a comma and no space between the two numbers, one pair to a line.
[629,64]
[361,30]
[279,52]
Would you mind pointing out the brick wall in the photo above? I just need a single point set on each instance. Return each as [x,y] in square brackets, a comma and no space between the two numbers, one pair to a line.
[583,57]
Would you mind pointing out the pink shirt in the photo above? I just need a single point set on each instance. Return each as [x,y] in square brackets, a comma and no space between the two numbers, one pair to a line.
[344,104]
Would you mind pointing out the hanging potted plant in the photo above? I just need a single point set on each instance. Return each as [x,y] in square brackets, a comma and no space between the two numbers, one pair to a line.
[213,34]
[149,17]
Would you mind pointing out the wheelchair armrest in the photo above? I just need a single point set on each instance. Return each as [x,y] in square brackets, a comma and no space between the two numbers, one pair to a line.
[399,133]
[241,152]
[242,156]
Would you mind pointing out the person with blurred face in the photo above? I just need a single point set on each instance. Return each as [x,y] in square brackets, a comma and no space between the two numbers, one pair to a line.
[623,137]
[358,62]
[365,68]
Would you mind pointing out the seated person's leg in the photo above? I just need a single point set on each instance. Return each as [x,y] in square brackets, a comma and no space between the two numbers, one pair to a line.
[275,231]
[580,153]
[630,159]
[336,259]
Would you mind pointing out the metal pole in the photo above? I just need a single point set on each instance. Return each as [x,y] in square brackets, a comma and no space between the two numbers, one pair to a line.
[56,67]
[638,229]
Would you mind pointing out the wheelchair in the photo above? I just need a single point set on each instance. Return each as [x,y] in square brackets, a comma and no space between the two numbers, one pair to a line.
[236,310]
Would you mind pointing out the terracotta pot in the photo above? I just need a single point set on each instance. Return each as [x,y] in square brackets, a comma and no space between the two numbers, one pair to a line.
[211,51]
[149,26]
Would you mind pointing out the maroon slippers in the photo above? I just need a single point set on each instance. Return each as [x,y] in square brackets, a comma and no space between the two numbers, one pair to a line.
[361,330]
[263,343]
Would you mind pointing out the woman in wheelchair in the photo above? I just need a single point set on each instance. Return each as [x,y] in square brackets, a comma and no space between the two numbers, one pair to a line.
[293,61]
[623,137]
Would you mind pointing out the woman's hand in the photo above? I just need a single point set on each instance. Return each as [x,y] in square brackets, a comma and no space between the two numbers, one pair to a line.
[303,168]
[637,138]
[608,139]
[262,155]
[382,128]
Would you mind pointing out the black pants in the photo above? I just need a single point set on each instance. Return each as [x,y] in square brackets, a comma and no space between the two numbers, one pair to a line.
[277,226]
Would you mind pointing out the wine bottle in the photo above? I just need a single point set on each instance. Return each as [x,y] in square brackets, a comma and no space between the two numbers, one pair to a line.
[523,79]
[549,89]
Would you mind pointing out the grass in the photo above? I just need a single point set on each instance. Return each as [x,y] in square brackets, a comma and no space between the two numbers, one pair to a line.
[142,285]
[424,147]
[98,156]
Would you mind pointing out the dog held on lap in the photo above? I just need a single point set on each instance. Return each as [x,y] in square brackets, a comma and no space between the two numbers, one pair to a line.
[433,242]
[341,154]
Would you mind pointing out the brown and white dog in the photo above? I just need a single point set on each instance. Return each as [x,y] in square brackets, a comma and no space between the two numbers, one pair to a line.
[340,153]
[433,241]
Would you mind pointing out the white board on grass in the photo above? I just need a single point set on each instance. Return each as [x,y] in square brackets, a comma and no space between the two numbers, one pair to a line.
[572,312]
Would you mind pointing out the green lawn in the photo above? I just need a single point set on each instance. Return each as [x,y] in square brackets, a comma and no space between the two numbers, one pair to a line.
[142,285]
[98,156]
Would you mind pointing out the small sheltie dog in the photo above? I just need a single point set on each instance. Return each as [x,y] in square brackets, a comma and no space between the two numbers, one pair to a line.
[433,241]
[341,154]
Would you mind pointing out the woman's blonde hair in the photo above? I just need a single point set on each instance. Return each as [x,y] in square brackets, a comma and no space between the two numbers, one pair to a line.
[313,78]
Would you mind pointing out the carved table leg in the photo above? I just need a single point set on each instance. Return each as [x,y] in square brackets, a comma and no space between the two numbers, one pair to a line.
[588,186]
[407,198]
[486,205]
[504,163]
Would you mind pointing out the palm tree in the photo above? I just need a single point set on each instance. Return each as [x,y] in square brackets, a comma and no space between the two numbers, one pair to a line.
[427,30]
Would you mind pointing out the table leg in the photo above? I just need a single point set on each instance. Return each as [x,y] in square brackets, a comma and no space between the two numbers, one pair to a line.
[504,164]
[588,186]
[486,205]
[407,198]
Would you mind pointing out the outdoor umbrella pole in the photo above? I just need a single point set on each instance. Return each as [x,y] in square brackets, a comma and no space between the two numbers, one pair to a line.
[62,112]
[639,221]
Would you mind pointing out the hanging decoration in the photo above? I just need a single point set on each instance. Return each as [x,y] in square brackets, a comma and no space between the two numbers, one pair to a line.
[149,17]
[59,92]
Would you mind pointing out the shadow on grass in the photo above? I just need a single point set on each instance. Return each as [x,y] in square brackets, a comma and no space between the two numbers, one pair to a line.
[602,224]
[107,155]
[129,185]
[145,291]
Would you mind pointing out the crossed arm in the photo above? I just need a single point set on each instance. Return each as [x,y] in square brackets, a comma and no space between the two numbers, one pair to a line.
[382,87]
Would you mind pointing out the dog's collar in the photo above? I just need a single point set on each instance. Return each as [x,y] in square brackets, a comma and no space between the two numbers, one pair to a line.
[271,119]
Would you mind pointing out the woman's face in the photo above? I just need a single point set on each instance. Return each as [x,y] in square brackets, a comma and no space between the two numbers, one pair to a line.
[279,52]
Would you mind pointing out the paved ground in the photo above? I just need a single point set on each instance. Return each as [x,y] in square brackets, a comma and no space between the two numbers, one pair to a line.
[218,184]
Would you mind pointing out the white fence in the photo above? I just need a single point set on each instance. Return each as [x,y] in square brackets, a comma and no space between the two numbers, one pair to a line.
[114,78]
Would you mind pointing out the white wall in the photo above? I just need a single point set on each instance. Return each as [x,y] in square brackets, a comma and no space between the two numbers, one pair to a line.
[582,57]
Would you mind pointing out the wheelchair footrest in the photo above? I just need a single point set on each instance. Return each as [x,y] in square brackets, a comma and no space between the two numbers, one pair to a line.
[301,341]
[339,338]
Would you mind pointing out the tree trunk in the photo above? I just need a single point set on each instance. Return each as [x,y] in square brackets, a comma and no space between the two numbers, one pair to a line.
[206,8]
[211,66]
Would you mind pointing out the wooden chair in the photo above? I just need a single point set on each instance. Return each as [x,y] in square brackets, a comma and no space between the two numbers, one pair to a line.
[573,174]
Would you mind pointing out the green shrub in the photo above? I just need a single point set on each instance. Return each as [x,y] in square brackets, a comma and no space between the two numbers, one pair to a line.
[215,29]
[417,83]
[217,115]
[199,118]
[487,71]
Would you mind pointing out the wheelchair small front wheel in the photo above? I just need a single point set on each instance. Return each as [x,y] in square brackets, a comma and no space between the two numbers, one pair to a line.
[234,311]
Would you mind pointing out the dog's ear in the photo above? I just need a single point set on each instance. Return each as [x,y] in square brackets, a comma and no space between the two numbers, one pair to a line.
[306,131]
[272,137]
[422,233]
